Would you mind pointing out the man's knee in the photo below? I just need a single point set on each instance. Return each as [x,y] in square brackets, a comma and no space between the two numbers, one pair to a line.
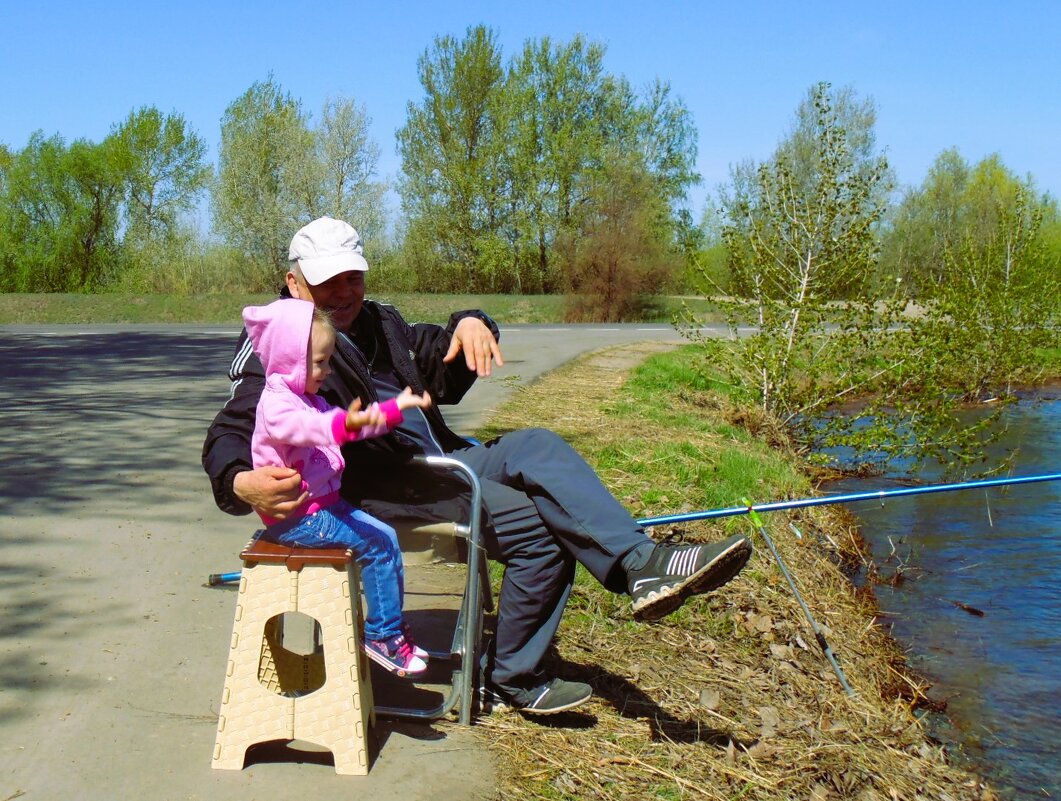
[538,435]
[537,441]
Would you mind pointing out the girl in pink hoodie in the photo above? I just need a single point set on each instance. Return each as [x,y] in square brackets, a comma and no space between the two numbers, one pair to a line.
[295,428]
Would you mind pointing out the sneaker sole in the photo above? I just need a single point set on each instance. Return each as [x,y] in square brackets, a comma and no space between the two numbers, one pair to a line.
[390,667]
[710,577]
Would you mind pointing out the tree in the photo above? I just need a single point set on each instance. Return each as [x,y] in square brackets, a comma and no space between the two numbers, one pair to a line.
[557,92]
[266,176]
[498,163]
[347,160]
[621,256]
[855,120]
[802,251]
[166,171]
[956,205]
[1000,300]
[668,142]
[60,214]
[451,155]
[799,232]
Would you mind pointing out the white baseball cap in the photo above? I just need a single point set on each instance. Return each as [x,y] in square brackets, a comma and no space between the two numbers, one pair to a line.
[326,247]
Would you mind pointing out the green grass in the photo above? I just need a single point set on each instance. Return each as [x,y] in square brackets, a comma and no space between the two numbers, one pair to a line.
[224,309]
[664,441]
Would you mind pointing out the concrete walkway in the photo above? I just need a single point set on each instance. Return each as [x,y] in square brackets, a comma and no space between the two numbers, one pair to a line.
[112,650]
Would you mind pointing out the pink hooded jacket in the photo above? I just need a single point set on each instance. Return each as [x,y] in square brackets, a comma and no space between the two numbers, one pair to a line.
[291,428]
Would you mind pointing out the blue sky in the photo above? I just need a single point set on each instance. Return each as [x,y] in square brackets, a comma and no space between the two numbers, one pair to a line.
[981,76]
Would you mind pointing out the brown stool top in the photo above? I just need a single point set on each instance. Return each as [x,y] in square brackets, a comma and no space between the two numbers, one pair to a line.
[260,551]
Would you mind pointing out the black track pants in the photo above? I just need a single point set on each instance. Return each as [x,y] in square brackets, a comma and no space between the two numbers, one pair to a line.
[546,509]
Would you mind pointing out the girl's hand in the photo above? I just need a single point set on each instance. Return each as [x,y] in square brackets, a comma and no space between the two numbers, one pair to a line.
[356,418]
[407,400]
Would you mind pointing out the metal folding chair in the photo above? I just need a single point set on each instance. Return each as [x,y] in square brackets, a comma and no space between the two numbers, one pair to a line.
[467,634]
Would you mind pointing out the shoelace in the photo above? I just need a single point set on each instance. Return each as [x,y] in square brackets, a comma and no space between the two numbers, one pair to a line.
[403,650]
[672,540]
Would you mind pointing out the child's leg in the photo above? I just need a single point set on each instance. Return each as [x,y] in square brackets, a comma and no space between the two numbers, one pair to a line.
[307,532]
[375,545]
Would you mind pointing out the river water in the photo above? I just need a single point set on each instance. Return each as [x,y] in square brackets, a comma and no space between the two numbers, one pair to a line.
[997,552]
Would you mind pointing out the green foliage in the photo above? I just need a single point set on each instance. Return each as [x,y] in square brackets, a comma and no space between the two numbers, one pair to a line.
[451,157]
[263,176]
[166,172]
[620,258]
[73,218]
[799,231]
[1000,304]
[59,215]
[801,235]
[276,173]
[500,164]
[956,206]
[346,164]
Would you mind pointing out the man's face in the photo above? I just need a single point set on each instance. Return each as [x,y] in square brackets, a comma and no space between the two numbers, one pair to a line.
[341,295]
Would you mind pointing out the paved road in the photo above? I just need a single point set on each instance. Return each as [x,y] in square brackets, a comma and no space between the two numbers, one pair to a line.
[111,649]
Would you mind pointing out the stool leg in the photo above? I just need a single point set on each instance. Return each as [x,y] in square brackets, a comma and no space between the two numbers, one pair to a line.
[339,714]
[250,712]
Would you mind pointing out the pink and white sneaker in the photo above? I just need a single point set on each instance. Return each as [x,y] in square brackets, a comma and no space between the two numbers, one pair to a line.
[395,655]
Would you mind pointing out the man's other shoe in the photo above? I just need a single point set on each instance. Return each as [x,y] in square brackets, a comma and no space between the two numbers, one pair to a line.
[554,696]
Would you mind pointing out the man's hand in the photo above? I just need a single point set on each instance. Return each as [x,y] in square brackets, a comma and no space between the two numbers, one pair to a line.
[480,348]
[271,491]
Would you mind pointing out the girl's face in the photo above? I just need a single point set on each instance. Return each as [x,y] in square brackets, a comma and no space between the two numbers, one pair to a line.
[321,347]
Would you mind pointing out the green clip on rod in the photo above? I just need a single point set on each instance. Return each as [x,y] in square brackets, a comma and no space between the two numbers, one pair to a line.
[758,521]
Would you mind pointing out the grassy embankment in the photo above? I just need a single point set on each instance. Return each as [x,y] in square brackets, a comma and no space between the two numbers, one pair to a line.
[729,697]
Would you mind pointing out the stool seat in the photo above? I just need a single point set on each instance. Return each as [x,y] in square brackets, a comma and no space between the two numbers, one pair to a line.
[272,693]
[259,551]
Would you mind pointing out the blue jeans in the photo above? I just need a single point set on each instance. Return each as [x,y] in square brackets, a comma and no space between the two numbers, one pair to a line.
[375,547]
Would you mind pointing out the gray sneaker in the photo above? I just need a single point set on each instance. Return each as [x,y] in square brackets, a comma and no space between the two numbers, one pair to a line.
[675,571]
[554,696]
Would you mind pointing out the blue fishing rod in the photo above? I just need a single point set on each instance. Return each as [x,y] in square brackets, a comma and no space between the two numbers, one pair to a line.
[827,500]
[777,506]
[752,510]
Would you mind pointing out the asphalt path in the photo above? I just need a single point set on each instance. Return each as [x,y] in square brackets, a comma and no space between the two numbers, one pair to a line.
[112,650]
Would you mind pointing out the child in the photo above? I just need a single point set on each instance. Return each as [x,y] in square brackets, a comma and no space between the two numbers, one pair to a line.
[295,428]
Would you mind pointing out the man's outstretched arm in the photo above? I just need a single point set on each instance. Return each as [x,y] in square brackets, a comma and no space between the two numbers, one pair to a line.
[478,343]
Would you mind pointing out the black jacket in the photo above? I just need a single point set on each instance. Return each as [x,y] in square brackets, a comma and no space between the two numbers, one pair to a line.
[372,465]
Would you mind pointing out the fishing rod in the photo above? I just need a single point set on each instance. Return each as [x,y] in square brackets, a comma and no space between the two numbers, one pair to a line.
[777,506]
[826,500]
[753,511]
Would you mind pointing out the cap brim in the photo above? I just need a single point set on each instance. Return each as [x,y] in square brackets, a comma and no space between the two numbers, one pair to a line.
[320,269]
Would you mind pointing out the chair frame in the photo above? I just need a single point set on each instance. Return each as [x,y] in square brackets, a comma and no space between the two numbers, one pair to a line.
[468,632]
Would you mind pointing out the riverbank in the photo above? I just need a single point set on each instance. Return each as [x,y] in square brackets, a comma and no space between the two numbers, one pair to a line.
[729,697]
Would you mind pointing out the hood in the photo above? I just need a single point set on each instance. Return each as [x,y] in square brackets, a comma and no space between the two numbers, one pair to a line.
[280,335]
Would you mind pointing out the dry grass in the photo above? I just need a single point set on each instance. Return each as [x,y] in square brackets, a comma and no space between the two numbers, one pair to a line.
[730,697]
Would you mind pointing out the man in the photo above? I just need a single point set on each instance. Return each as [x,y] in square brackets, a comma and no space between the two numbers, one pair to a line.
[546,508]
